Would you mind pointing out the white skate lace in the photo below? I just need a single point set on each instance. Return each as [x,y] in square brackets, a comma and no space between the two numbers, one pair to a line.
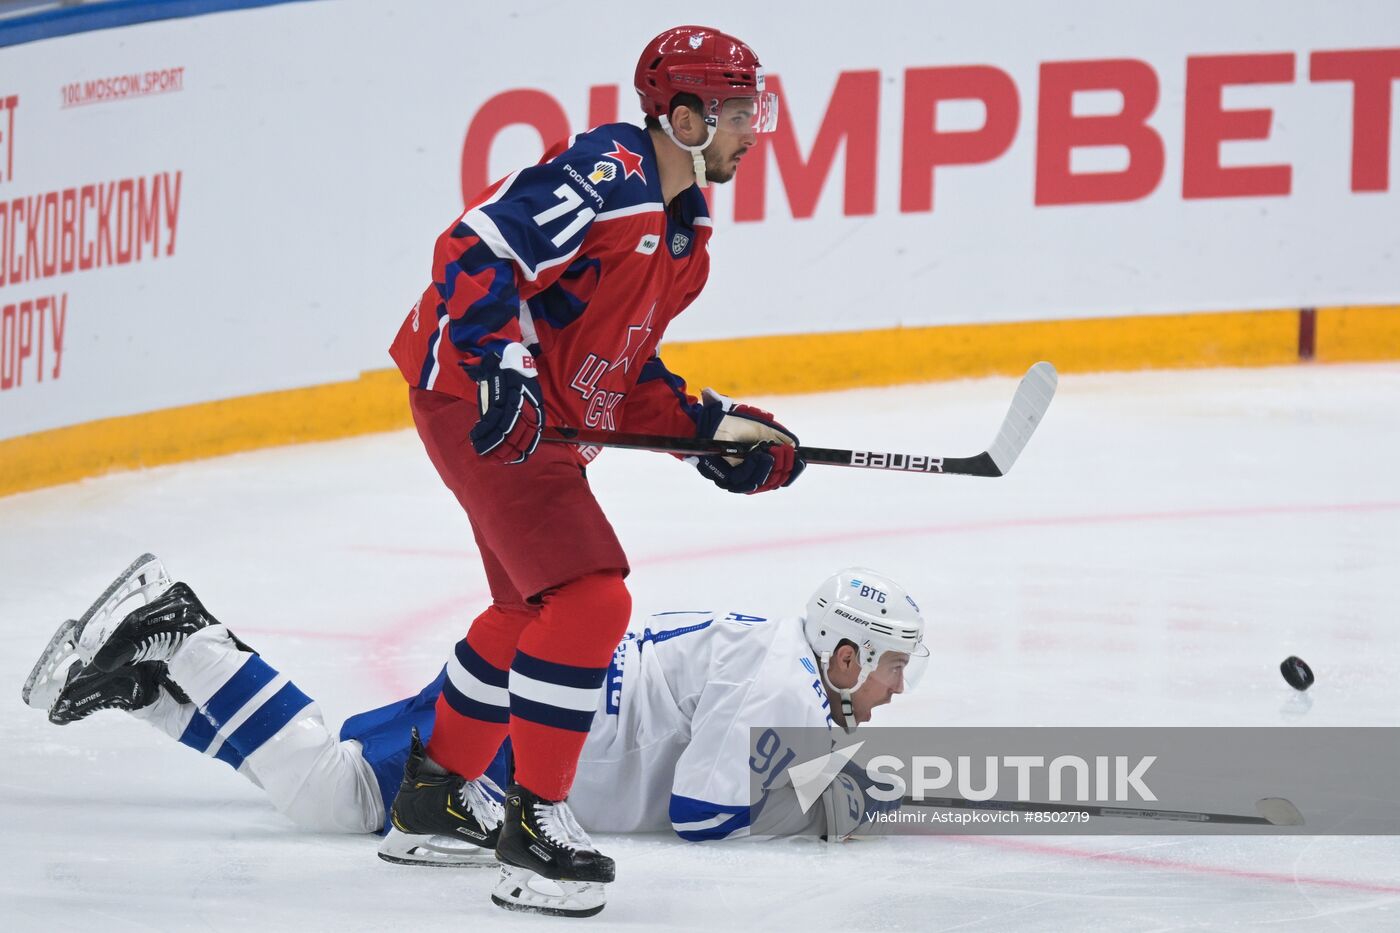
[559,824]
[480,803]
[159,648]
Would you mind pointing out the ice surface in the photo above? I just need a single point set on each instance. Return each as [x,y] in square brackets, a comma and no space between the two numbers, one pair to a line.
[1165,540]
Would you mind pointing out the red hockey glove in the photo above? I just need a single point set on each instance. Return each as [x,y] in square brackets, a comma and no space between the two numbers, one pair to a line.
[771,463]
[512,410]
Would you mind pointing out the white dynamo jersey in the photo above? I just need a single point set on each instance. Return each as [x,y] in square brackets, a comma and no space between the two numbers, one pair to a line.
[669,747]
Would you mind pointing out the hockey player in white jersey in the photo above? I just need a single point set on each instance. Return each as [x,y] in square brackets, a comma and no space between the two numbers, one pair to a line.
[667,747]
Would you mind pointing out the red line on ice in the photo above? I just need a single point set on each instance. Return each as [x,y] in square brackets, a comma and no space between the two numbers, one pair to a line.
[1124,858]
[412,624]
[307,633]
[951,528]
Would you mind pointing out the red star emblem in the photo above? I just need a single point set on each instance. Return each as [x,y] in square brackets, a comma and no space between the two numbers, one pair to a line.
[631,162]
[637,335]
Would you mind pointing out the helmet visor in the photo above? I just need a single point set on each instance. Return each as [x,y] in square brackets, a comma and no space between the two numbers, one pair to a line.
[756,114]
[898,671]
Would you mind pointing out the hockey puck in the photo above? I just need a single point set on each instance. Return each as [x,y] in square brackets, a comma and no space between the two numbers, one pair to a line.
[1296,672]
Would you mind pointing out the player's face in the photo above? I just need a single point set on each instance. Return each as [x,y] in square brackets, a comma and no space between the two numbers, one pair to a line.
[881,686]
[734,136]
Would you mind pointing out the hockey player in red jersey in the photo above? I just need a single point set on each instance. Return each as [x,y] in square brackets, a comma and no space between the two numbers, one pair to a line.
[550,295]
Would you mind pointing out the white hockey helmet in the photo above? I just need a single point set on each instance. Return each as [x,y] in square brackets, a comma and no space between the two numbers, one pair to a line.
[875,614]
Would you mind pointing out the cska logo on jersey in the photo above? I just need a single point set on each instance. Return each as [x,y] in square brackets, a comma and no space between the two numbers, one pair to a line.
[637,337]
[630,161]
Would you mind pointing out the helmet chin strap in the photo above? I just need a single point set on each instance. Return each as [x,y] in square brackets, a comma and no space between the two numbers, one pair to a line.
[697,153]
[848,710]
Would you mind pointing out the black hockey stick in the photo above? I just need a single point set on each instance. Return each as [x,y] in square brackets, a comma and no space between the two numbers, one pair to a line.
[1273,811]
[1028,405]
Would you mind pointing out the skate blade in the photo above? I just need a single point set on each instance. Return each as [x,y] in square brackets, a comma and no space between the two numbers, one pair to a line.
[524,890]
[145,578]
[434,851]
[78,640]
[45,682]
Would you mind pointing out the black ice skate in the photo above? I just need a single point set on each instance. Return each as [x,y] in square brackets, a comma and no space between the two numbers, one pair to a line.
[549,865]
[156,631]
[89,690]
[441,820]
[77,640]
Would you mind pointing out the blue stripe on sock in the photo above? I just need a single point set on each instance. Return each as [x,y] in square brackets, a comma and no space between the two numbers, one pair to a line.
[230,756]
[474,709]
[564,675]
[199,733]
[239,689]
[546,715]
[480,668]
[270,717]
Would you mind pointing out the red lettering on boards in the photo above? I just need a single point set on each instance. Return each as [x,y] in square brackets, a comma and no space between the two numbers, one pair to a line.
[512,108]
[1059,131]
[1208,124]
[926,148]
[852,120]
[77,229]
[1371,73]
[29,330]
[8,105]
[850,125]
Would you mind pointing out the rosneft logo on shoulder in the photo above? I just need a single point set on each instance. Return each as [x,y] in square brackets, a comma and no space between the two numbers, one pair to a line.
[602,171]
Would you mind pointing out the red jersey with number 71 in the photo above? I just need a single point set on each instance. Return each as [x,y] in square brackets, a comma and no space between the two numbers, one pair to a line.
[577,258]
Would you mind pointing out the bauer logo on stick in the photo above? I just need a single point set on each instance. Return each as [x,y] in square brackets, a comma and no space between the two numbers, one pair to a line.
[914,463]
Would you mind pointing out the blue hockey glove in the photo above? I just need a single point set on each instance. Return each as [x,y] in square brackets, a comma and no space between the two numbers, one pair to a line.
[512,409]
[771,463]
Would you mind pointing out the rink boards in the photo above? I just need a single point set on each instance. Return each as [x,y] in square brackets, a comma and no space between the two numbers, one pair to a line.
[205,250]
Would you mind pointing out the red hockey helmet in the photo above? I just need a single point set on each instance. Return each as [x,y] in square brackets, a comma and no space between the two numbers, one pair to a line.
[713,66]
